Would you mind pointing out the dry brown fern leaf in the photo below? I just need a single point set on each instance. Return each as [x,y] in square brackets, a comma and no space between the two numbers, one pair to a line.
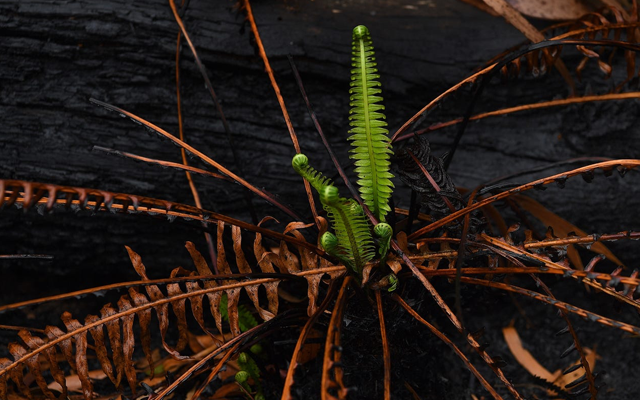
[273,266]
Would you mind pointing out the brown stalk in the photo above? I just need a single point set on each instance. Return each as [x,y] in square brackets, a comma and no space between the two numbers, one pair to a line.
[236,158]
[294,138]
[168,164]
[525,107]
[25,257]
[316,123]
[445,339]
[183,153]
[164,281]
[419,216]
[600,276]
[216,370]
[570,272]
[544,181]
[304,333]
[454,320]
[435,101]
[20,328]
[478,74]
[556,303]
[130,203]
[582,239]
[583,357]
[331,371]
[385,349]
[200,155]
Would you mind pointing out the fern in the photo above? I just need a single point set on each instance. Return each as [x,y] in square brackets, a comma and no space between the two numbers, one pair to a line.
[352,229]
[352,243]
[368,127]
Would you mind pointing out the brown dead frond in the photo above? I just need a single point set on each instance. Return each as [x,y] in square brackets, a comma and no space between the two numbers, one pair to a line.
[142,300]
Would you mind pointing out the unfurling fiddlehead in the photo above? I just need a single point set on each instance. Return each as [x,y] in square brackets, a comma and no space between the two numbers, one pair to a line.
[368,131]
[301,165]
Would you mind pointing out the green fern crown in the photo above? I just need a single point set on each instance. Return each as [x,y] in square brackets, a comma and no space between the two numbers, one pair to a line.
[371,145]
[352,243]
[353,235]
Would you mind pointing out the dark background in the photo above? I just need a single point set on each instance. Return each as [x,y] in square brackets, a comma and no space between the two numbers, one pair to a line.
[54,56]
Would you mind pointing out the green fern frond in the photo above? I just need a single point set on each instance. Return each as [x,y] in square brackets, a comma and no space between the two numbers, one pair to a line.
[351,227]
[300,164]
[369,135]
[352,243]
[384,232]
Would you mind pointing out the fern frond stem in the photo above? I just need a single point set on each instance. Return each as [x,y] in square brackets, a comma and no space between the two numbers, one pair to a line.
[269,198]
[583,239]
[498,65]
[188,169]
[237,162]
[271,277]
[513,56]
[267,66]
[316,123]
[20,328]
[575,34]
[124,202]
[454,320]
[214,371]
[448,341]
[550,264]
[556,303]
[25,256]
[525,107]
[194,191]
[418,116]
[302,338]
[583,357]
[331,356]
[626,163]
[283,107]
[386,354]
[485,186]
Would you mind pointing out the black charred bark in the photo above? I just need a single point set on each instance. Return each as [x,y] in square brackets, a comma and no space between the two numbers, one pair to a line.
[54,56]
